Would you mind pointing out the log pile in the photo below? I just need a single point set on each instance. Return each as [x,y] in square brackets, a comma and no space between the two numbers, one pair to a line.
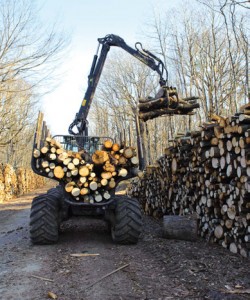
[2,187]
[10,182]
[21,178]
[87,180]
[28,181]
[207,172]
[149,190]
[15,182]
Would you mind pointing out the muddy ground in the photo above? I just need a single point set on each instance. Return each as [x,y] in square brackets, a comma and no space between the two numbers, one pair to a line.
[156,268]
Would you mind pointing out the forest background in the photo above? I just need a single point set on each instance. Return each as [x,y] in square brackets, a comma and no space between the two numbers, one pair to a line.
[205,46]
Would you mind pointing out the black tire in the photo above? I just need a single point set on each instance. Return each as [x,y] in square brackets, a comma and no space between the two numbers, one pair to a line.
[44,218]
[58,192]
[127,224]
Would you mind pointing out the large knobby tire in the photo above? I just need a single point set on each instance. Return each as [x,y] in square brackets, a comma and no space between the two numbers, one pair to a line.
[127,224]
[44,218]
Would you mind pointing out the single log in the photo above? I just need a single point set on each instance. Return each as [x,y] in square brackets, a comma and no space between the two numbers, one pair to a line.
[231,212]
[45,164]
[98,197]
[45,149]
[106,175]
[71,166]
[135,160]
[182,110]
[76,161]
[52,150]
[75,192]
[112,183]
[219,232]
[36,153]
[153,104]
[84,171]
[180,228]
[108,144]
[174,165]
[52,166]
[233,248]
[84,191]
[214,141]
[68,174]
[82,179]
[100,157]
[128,152]
[122,160]
[50,174]
[104,182]
[215,162]
[229,223]
[59,151]
[58,172]
[93,174]
[106,195]
[93,186]
[116,147]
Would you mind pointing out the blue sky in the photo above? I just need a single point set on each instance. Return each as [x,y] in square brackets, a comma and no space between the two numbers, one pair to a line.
[85,21]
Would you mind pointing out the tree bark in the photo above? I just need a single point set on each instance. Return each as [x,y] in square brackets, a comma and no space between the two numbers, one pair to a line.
[180,228]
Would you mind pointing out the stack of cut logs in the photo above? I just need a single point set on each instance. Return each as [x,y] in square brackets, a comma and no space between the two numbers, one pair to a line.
[206,172]
[15,182]
[87,181]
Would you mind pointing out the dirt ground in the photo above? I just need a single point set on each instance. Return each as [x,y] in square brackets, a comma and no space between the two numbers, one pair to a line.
[156,268]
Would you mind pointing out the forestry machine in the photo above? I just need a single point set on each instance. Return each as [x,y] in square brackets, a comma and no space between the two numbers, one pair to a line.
[121,212]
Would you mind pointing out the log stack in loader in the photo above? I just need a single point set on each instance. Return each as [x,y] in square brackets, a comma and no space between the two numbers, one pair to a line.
[206,172]
[166,102]
[89,181]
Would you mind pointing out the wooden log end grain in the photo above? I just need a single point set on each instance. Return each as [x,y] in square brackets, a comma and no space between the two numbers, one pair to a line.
[58,172]
[108,144]
[75,192]
[116,147]
[36,153]
[93,186]
[84,171]
[100,157]
[128,152]
[219,232]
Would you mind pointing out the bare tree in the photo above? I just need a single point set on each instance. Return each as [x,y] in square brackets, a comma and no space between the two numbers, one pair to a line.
[28,48]
[204,57]
[29,52]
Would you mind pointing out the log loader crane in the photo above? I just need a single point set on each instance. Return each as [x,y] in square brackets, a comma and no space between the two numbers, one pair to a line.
[87,194]
[80,123]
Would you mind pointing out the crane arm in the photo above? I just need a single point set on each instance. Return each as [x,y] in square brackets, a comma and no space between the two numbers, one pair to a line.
[145,56]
